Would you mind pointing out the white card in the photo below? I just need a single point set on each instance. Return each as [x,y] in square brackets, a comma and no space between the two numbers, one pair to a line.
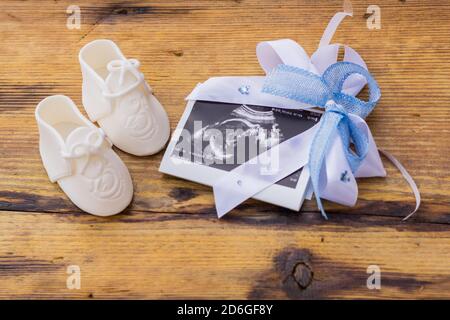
[197,153]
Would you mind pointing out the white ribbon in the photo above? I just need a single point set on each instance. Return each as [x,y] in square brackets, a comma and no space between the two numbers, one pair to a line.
[246,180]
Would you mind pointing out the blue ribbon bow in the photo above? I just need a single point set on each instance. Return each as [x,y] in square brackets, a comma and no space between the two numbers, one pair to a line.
[326,91]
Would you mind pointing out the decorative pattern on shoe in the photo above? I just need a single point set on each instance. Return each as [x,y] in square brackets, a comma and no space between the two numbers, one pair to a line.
[78,156]
[116,95]
[104,182]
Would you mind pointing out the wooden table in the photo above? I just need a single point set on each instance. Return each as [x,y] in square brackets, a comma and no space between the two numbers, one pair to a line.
[169,243]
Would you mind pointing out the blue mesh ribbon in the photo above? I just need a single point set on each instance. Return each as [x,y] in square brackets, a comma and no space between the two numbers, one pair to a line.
[326,91]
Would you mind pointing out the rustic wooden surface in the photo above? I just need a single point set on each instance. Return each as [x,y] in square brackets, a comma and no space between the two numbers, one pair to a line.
[169,244]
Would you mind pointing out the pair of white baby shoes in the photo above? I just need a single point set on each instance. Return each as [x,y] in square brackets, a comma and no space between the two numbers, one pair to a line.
[77,154]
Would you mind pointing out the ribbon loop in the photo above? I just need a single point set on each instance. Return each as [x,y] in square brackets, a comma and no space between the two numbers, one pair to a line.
[306,87]
[335,76]
[123,67]
[297,84]
[91,145]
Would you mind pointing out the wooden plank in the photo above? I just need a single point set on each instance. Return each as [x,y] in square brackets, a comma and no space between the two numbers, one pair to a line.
[181,44]
[195,256]
[168,243]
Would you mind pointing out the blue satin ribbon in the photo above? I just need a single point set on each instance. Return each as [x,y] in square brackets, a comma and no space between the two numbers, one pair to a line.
[326,91]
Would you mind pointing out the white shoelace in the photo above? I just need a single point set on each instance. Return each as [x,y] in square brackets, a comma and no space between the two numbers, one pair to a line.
[124,66]
[91,145]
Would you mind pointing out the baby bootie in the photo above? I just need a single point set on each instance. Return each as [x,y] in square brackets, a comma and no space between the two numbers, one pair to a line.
[77,155]
[116,96]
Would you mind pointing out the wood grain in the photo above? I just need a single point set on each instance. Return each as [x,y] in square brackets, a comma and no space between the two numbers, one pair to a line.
[168,244]
[160,255]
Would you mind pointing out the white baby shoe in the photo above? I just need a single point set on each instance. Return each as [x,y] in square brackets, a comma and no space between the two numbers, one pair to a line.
[116,96]
[77,155]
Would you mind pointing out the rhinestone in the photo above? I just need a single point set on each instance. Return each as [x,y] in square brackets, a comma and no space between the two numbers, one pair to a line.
[244,90]
[344,177]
